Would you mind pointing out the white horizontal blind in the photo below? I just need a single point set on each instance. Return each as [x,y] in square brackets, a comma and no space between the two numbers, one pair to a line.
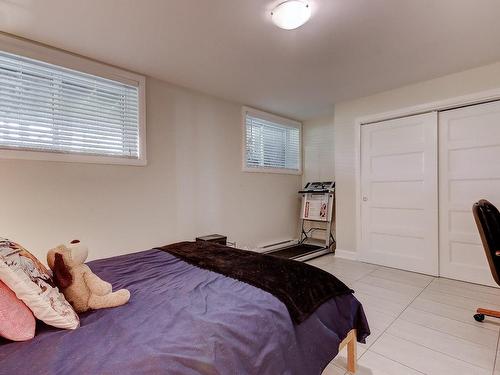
[44,107]
[270,144]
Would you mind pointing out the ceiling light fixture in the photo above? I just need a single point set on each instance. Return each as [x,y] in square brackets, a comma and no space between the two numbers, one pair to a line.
[291,14]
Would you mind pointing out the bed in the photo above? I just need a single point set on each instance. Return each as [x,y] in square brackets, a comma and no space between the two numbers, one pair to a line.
[183,319]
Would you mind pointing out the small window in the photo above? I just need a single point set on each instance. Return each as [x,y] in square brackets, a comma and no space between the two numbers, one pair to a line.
[271,143]
[48,109]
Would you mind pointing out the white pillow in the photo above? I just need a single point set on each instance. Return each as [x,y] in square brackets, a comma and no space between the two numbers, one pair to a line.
[32,282]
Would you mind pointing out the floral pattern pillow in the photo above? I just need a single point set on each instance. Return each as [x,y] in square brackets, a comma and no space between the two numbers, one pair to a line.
[26,276]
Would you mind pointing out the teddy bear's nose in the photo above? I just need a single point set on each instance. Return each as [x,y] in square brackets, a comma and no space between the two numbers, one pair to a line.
[75,241]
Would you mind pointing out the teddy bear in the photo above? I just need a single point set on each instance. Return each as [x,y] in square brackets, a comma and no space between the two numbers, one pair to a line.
[82,288]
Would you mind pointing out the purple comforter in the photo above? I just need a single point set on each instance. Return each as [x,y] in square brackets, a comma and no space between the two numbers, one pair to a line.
[185,320]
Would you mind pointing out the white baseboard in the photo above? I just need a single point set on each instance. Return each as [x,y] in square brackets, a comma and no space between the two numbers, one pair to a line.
[345,254]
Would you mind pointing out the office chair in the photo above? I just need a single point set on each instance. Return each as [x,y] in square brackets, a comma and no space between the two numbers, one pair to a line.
[488,223]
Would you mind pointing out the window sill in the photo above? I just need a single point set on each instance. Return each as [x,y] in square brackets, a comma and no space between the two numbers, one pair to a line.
[70,158]
[273,170]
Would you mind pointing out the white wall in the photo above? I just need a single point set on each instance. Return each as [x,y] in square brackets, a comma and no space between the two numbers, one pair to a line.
[467,82]
[193,185]
[319,156]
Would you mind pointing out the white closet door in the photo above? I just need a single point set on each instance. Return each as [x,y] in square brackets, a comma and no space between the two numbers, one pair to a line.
[399,192]
[469,170]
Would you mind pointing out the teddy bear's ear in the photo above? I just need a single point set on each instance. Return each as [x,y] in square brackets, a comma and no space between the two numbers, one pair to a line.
[62,276]
[51,255]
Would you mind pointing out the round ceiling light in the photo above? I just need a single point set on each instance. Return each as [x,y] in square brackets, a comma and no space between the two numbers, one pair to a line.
[291,14]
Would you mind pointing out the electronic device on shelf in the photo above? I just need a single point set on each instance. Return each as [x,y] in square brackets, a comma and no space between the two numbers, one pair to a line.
[319,187]
[215,238]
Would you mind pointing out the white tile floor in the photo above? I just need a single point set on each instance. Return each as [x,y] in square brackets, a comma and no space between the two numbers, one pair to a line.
[420,324]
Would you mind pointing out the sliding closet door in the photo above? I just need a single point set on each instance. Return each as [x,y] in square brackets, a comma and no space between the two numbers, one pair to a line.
[469,170]
[399,218]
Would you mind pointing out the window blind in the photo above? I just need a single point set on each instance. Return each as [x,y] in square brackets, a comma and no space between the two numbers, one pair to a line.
[46,107]
[271,144]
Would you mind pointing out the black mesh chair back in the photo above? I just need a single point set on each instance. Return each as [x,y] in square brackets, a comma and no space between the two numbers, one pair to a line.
[488,222]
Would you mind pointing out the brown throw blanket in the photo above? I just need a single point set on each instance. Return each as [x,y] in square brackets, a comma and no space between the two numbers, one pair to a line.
[301,287]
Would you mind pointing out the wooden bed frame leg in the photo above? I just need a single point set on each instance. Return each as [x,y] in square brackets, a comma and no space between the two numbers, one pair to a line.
[351,342]
[352,355]
[492,313]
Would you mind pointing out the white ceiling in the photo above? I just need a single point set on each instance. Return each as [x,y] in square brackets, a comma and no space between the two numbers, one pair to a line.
[229,48]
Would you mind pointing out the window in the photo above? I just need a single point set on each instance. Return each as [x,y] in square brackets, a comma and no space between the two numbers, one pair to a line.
[51,112]
[272,143]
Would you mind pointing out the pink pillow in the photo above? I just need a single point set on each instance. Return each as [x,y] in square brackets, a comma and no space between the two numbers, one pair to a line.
[17,322]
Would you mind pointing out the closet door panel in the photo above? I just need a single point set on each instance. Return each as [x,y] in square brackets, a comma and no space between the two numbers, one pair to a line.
[469,170]
[399,220]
